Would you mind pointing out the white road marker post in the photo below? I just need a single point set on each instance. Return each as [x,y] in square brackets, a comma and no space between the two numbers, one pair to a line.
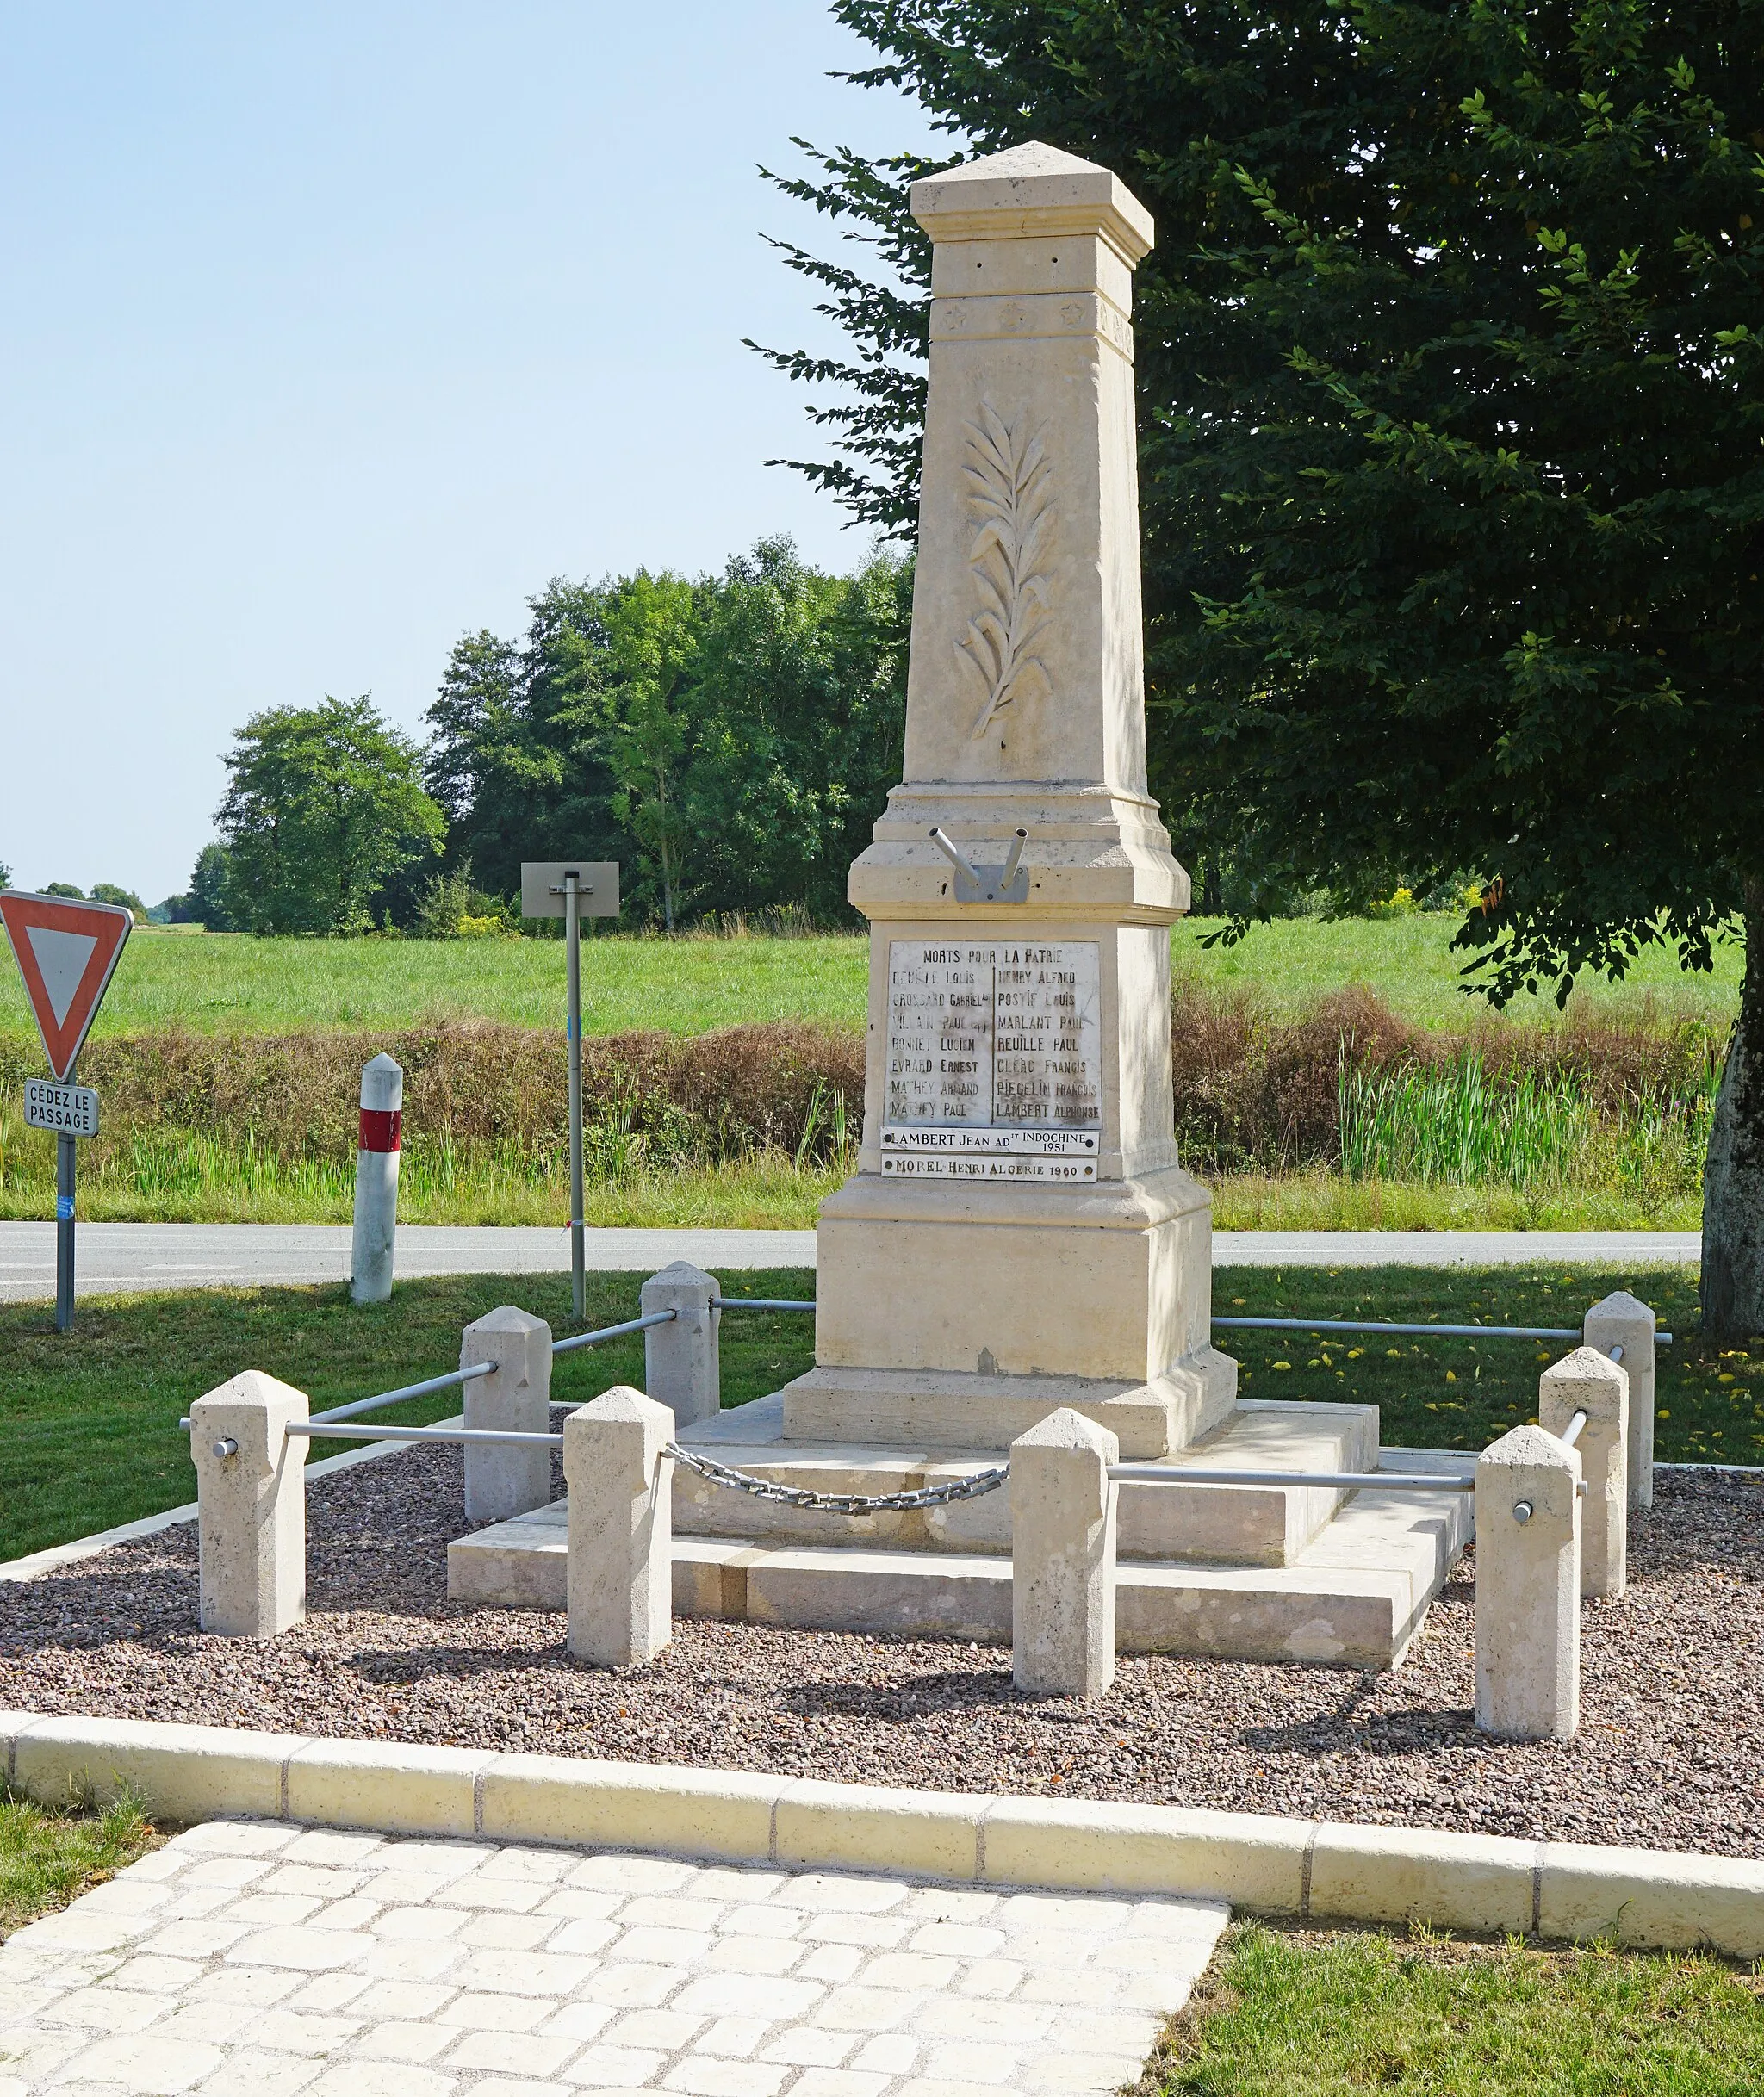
[376,1181]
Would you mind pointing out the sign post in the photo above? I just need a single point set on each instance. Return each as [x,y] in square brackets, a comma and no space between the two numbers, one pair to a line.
[66,952]
[572,890]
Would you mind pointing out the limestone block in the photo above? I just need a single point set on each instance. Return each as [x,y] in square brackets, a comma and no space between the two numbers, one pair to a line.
[621,1529]
[1453,1880]
[1660,1898]
[722,1815]
[935,1834]
[1253,1860]
[1528,1587]
[1623,1321]
[1588,1381]
[1062,1542]
[399,1787]
[181,1772]
[507,1479]
[680,1358]
[1110,1281]
[251,1507]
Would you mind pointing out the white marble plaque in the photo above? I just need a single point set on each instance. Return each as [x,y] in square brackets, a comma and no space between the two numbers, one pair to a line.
[995,1058]
[966,1166]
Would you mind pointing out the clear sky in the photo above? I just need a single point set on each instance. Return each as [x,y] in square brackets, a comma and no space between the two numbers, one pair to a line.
[330,332]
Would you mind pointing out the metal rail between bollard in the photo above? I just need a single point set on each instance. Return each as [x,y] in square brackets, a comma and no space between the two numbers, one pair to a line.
[326,1431]
[1264,1325]
[1160,1474]
[612,1333]
[1443,1332]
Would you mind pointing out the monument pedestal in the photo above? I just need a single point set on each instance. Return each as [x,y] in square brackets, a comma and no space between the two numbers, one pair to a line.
[956,1315]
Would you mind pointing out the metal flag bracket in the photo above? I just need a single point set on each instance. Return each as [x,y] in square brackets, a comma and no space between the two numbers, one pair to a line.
[1006,884]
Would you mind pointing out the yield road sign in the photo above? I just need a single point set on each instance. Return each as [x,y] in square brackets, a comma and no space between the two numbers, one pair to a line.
[70,1110]
[67,953]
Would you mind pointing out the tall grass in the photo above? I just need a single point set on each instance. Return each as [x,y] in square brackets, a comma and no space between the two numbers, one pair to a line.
[1456,1125]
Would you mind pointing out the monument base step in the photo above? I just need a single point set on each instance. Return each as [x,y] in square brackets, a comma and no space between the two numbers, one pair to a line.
[1355,1596]
[1236,1525]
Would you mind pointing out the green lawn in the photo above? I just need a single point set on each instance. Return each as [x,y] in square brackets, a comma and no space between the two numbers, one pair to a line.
[226,983]
[48,1858]
[1306,2014]
[89,1422]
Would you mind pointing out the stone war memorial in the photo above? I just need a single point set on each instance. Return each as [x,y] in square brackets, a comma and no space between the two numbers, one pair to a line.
[1020,1239]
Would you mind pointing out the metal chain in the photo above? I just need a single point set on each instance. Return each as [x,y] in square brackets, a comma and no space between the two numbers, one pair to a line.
[839,1503]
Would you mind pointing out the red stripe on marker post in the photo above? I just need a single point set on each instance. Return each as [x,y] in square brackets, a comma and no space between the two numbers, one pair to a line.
[380,1130]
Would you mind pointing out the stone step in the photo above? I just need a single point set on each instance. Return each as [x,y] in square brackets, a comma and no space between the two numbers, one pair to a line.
[1354,1597]
[1237,1525]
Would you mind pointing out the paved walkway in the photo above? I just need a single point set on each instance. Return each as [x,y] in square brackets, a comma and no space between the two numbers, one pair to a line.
[253,1959]
[173,1256]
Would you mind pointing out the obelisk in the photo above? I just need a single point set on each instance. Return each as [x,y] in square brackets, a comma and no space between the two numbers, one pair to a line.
[1019,1234]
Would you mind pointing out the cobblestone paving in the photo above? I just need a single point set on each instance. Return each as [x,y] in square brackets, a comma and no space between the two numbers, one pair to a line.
[255,1959]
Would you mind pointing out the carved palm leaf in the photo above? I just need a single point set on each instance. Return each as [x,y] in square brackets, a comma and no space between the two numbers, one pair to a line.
[1007,472]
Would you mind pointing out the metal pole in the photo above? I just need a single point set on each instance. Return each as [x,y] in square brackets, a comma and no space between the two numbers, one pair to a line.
[573,966]
[63,1232]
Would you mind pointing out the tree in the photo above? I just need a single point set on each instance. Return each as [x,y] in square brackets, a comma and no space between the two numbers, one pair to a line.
[324,806]
[802,711]
[730,739]
[206,903]
[66,889]
[5,875]
[1451,385]
[107,891]
[644,677]
[514,758]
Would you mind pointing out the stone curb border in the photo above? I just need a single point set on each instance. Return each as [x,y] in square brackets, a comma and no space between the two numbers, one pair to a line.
[1316,1871]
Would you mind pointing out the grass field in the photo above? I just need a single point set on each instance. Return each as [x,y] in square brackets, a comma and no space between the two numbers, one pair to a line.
[89,1434]
[228,983]
[1317,2014]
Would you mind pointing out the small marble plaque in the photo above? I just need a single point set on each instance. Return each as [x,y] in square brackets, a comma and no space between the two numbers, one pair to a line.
[998,1042]
[966,1165]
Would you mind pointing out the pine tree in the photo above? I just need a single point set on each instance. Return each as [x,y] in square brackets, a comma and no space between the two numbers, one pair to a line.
[1451,386]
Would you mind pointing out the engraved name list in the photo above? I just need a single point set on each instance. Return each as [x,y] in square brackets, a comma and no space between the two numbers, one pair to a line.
[994,1060]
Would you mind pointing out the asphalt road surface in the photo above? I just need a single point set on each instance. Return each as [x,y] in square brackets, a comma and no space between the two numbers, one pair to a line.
[125,1257]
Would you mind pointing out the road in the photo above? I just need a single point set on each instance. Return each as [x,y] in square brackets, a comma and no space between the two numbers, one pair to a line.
[175,1255]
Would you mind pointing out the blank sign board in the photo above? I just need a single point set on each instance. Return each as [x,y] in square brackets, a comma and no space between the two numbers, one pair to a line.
[542,887]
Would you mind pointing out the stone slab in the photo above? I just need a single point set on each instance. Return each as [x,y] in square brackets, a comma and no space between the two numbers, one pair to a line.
[1244,1525]
[1354,1596]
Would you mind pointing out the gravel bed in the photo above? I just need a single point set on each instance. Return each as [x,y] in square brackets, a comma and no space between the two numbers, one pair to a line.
[1670,1752]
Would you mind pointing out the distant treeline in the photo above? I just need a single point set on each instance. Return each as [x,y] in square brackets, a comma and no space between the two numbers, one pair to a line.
[729,740]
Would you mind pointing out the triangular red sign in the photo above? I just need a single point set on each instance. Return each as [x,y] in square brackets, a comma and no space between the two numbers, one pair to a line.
[67,953]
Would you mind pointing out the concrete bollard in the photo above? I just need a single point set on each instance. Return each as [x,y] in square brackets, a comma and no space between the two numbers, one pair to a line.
[1528,1587]
[1590,1382]
[376,1181]
[1062,1554]
[680,1358]
[620,1578]
[251,1507]
[502,1480]
[1621,1321]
